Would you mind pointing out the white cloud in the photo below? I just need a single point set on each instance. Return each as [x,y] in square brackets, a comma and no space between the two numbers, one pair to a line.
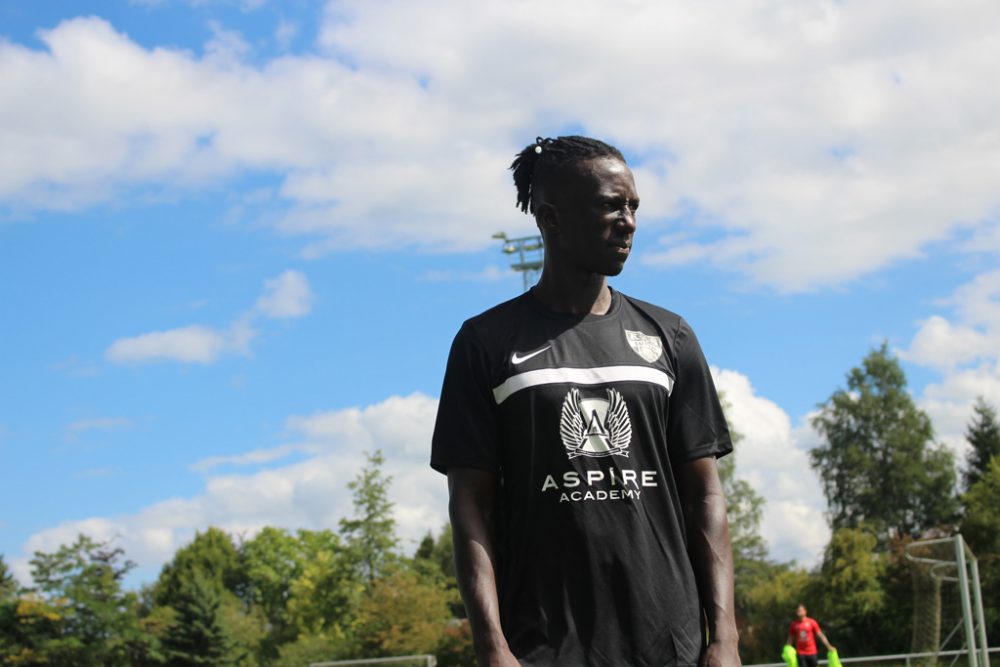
[75,428]
[310,493]
[285,33]
[487,274]
[773,458]
[805,144]
[286,296]
[190,344]
[966,351]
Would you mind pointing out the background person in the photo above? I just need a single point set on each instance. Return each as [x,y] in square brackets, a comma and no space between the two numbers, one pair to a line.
[802,635]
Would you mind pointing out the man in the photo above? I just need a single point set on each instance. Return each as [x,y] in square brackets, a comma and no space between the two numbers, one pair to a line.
[802,635]
[579,430]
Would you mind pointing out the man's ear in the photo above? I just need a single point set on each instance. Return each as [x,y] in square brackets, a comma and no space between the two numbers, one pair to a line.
[547,218]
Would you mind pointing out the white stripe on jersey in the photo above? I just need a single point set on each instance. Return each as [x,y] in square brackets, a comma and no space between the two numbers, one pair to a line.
[599,375]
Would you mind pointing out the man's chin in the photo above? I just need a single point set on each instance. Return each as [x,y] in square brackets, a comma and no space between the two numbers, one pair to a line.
[612,271]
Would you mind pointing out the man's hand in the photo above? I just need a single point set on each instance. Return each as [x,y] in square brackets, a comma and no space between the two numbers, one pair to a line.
[720,654]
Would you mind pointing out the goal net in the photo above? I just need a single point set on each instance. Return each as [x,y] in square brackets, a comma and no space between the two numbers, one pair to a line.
[947,604]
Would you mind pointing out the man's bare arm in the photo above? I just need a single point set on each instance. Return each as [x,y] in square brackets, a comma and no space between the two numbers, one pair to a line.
[712,557]
[471,506]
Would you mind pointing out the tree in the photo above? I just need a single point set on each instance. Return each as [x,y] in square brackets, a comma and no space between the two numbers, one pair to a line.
[983,435]
[371,534]
[770,607]
[745,508]
[77,613]
[437,555]
[197,638]
[8,584]
[879,465]
[981,529]
[323,599]
[402,615]
[210,556]
[275,565]
[849,590]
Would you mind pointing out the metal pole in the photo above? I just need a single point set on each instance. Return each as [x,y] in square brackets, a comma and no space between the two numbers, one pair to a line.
[963,579]
[977,594]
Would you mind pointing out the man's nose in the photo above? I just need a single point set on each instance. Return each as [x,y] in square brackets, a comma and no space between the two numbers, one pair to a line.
[626,219]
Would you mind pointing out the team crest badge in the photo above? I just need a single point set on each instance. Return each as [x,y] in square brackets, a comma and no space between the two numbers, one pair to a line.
[648,347]
[595,426]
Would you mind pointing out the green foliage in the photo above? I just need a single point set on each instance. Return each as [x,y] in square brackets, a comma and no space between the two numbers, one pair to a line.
[211,557]
[770,606]
[436,554]
[435,558]
[197,637]
[371,535]
[983,436]
[8,584]
[401,615]
[324,597]
[77,614]
[308,649]
[274,563]
[879,465]
[850,592]
[455,649]
[981,529]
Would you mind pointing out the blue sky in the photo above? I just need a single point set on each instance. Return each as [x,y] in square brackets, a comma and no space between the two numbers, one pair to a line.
[236,237]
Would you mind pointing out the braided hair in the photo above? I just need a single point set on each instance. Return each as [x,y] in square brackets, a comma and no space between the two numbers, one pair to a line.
[540,160]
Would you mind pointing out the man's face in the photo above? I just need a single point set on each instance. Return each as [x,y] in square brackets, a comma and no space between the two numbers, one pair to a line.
[800,611]
[596,206]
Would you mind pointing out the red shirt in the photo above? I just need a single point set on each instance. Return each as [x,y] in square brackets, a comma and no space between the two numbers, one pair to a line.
[804,632]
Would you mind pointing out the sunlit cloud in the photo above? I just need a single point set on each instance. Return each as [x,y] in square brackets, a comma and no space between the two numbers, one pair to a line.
[810,145]
[284,297]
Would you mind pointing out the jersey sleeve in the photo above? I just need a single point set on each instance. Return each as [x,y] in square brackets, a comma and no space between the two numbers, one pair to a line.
[696,425]
[466,431]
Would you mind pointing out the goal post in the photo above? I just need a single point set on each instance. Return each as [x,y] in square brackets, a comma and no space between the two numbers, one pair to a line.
[423,660]
[947,599]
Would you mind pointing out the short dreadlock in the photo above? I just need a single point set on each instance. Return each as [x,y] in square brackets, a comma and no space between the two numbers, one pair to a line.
[538,161]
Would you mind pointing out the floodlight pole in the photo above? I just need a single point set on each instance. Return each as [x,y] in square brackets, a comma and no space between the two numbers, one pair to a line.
[526,256]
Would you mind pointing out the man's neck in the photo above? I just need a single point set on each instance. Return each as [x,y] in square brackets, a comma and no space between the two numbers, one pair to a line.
[575,295]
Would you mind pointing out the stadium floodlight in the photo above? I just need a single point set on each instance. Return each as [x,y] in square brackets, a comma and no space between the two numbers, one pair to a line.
[526,256]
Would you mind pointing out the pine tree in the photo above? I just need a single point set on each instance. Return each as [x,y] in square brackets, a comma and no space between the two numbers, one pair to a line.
[371,535]
[8,584]
[196,638]
[983,435]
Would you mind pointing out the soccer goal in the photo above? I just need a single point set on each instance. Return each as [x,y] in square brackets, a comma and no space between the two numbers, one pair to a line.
[948,603]
[398,661]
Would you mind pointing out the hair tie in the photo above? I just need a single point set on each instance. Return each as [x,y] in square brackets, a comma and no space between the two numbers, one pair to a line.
[538,144]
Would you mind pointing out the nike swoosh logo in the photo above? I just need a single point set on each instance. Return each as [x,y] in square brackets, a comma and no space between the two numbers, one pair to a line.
[518,359]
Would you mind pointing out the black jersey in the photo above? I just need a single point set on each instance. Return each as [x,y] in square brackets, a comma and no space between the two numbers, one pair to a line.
[585,420]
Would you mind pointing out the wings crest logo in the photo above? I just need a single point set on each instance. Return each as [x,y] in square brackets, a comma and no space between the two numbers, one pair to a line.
[595,426]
